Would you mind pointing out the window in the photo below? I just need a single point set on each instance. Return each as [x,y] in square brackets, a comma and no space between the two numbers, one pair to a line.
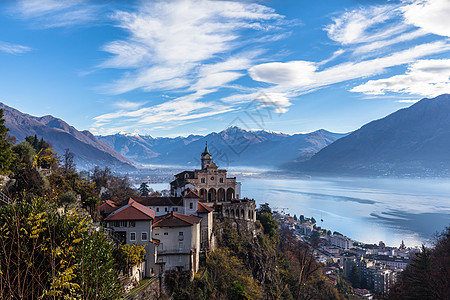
[180,236]
[191,205]
[123,223]
[165,209]
[132,223]
[221,180]
[175,209]
[116,223]
[180,246]
[166,233]
[133,236]
[203,180]
[212,177]
[143,236]
[157,209]
[180,258]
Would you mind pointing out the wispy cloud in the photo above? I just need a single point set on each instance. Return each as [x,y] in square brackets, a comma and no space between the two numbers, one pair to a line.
[192,48]
[128,105]
[178,110]
[424,77]
[303,75]
[170,43]
[374,39]
[13,48]
[55,13]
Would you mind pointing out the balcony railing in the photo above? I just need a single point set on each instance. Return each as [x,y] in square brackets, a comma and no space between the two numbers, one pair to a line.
[175,250]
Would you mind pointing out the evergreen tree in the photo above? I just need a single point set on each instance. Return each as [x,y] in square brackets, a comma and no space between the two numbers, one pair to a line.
[144,190]
[6,154]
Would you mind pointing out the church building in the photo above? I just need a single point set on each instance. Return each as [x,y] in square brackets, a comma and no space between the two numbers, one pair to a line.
[210,182]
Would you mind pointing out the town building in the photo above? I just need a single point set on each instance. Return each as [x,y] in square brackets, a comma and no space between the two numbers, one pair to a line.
[106,207]
[179,236]
[132,224]
[215,188]
[210,183]
[186,205]
[341,241]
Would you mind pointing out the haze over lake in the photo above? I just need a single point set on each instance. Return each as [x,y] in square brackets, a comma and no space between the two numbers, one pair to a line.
[365,209]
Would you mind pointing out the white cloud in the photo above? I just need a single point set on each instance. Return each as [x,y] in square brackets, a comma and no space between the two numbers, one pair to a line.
[193,48]
[425,78]
[430,15]
[177,110]
[128,104]
[366,48]
[292,73]
[407,101]
[363,25]
[13,48]
[171,43]
[301,75]
[56,13]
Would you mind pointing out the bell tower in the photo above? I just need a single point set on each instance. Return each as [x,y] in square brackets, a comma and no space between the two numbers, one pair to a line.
[206,157]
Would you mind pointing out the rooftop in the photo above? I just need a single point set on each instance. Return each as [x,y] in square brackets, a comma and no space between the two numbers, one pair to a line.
[132,211]
[176,220]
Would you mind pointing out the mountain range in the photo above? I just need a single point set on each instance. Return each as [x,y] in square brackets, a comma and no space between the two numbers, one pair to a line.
[88,150]
[233,146]
[411,141]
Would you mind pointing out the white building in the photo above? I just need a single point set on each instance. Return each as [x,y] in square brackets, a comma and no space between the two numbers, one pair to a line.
[187,205]
[179,237]
[341,241]
[132,224]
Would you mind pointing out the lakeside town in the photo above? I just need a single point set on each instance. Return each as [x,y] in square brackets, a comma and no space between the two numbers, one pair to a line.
[176,227]
[368,266]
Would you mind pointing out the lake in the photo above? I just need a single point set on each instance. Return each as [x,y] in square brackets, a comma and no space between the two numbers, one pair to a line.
[365,209]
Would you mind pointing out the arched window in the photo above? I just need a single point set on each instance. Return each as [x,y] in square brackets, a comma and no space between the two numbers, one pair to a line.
[230,194]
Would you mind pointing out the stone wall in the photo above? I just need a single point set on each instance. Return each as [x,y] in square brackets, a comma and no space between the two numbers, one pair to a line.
[151,291]
[240,213]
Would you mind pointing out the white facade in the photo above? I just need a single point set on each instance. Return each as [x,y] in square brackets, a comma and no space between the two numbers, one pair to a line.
[179,247]
[340,241]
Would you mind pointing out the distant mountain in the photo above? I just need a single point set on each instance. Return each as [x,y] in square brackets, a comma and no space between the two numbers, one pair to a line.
[88,150]
[412,141]
[231,147]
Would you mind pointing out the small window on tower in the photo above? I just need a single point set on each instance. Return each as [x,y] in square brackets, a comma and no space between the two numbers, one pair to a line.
[221,180]
[212,177]
[203,180]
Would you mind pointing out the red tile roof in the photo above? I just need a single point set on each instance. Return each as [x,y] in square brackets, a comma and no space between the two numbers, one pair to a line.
[132,211]
[203,209]
[107,206]
[158,201]
[176,220]
[191,194]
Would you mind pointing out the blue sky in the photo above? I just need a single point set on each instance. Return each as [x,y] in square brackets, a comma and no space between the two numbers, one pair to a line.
[178,67]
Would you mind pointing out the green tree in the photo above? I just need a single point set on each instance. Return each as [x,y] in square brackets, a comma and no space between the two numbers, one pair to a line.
[355,277]
[67,199]
[130,255]
[46,254]
[143,189]
[6,153]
